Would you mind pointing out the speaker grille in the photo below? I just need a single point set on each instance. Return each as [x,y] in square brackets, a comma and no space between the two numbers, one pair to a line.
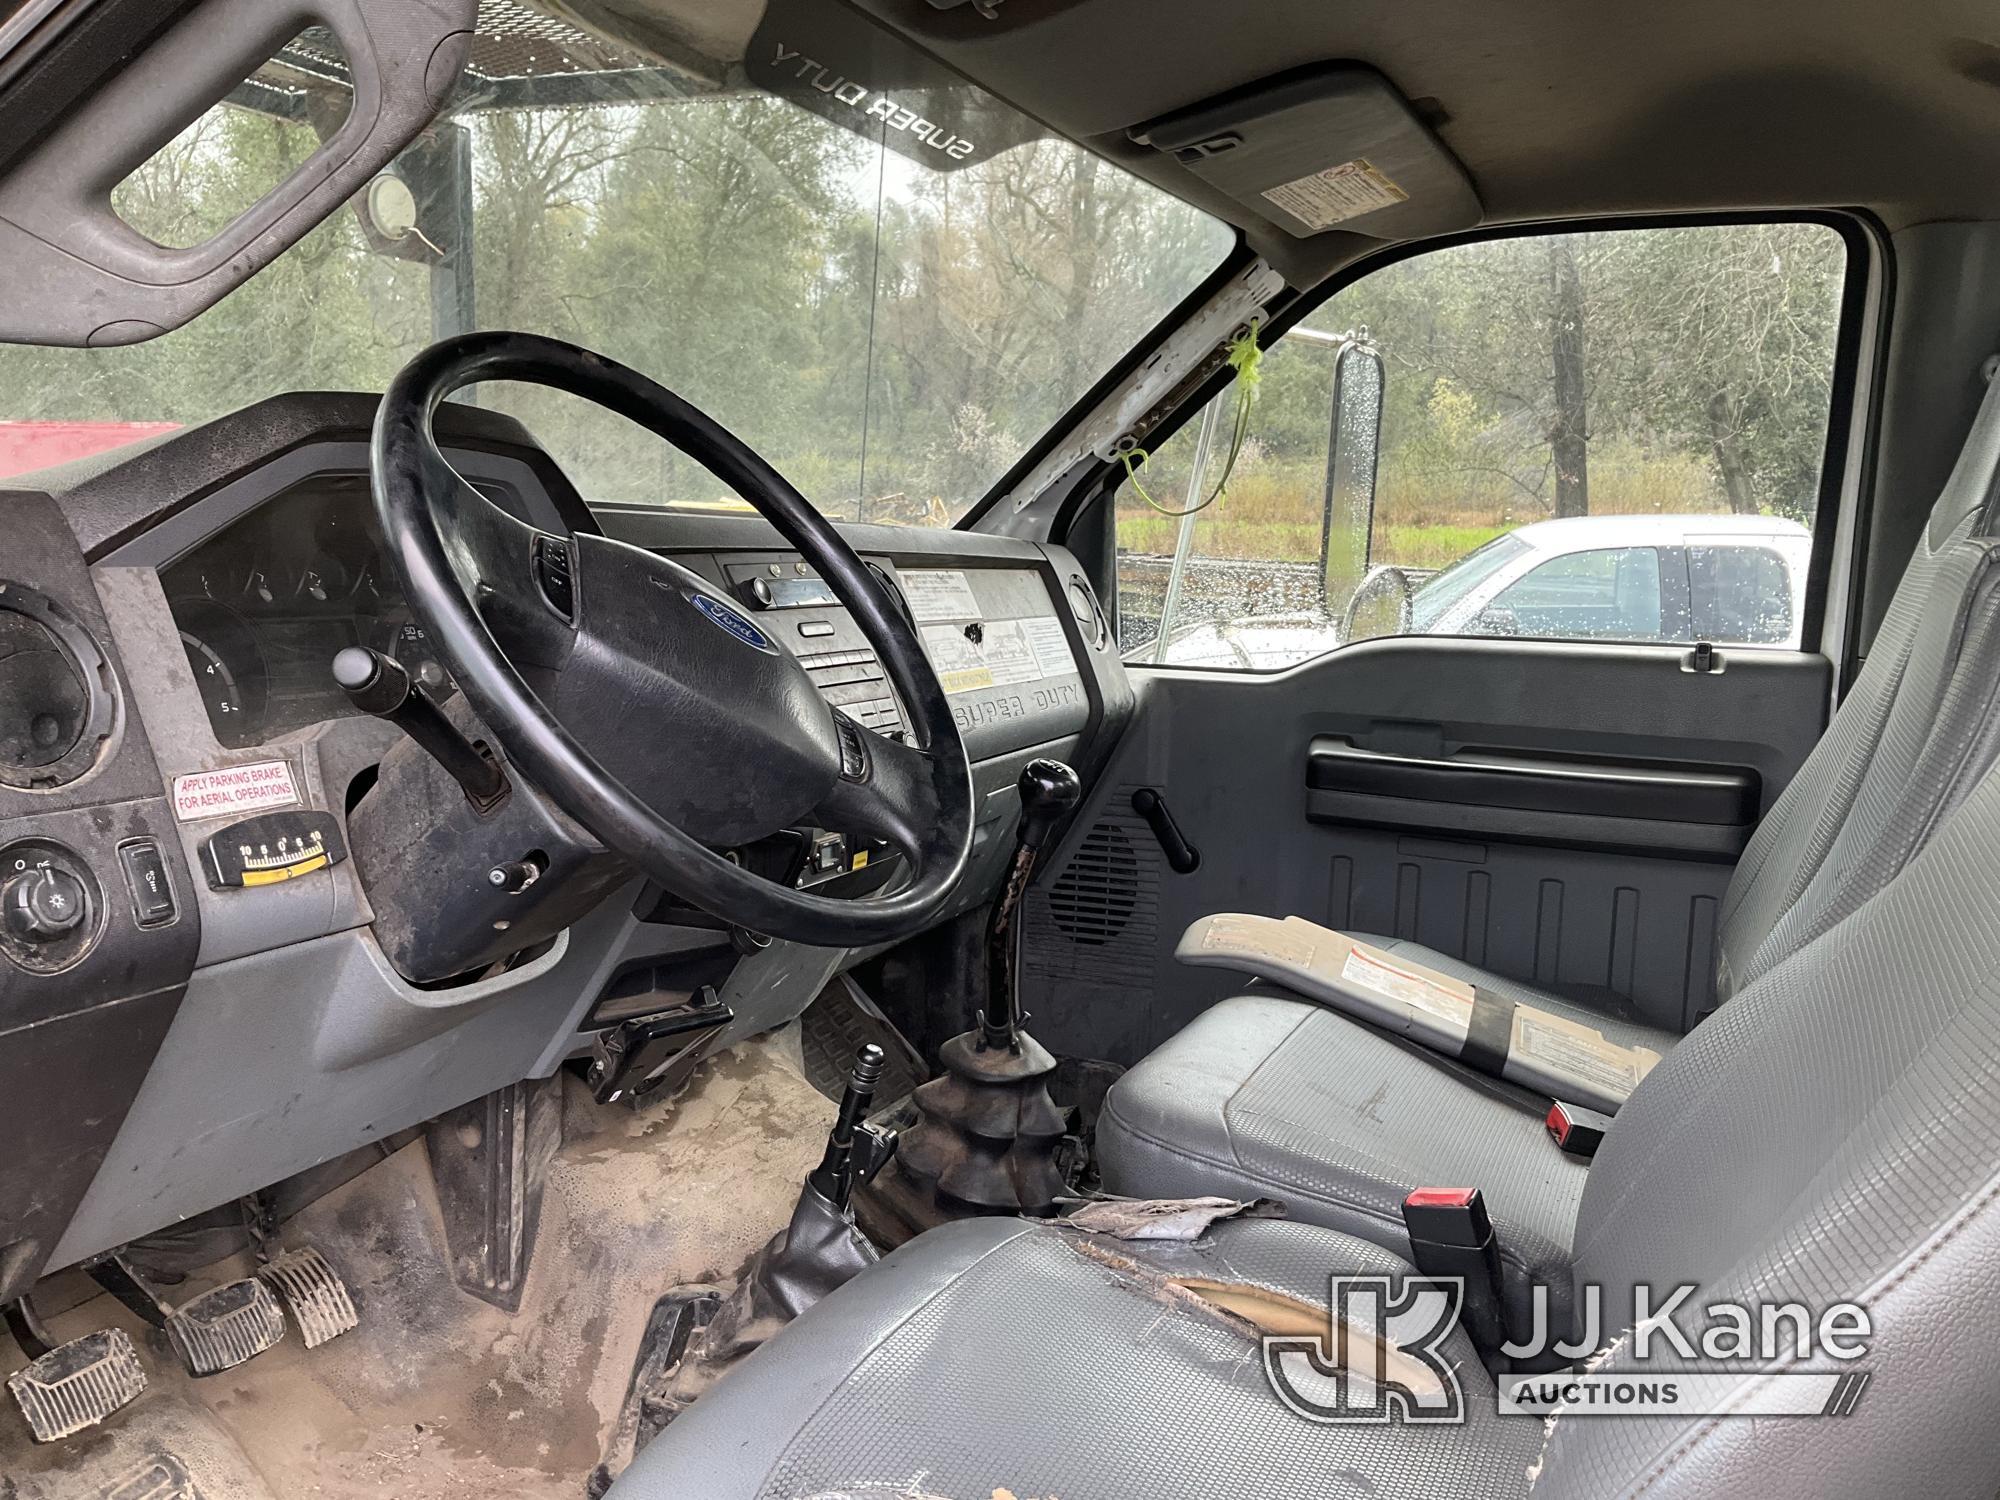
[1094,900]
[1100,916]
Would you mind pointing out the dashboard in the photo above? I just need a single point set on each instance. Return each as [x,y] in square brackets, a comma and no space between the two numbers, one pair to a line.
[213,1017]
[264,605]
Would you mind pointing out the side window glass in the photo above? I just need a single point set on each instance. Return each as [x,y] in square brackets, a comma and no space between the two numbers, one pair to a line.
[1612,594]
[1589,436]
[1743,595]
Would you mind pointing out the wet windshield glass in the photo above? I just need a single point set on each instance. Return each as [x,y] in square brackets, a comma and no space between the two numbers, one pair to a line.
[885,280]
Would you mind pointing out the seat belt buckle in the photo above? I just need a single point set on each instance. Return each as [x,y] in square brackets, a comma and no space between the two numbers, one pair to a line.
[1452,1236]
[1577,1130]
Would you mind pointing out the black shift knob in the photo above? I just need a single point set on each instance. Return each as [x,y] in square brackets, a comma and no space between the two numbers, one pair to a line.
[1049,791]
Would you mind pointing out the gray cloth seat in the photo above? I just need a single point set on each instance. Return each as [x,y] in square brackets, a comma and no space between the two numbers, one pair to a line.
[1832,1135]
[1265,1096]
[1261,1100]
[997,1355]
[1273,1096]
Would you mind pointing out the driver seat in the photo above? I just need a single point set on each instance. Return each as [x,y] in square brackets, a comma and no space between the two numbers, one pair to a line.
[1832,1135]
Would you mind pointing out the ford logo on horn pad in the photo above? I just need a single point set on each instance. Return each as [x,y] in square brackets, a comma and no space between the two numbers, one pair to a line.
[730,620]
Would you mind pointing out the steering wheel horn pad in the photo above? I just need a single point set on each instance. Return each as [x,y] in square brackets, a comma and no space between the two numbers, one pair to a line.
[636,696]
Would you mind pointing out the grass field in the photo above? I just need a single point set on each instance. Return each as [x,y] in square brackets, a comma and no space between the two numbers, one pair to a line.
[1272,510]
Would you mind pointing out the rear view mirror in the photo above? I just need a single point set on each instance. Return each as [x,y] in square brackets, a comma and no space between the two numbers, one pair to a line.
[1354,441]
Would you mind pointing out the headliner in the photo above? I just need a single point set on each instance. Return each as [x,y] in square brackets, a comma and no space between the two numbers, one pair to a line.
[1556,109]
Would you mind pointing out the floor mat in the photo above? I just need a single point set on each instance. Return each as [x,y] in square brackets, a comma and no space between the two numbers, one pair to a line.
[437,1395]
[837,1025]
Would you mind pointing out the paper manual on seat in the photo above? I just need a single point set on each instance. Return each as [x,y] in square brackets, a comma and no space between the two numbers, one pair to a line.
[1521,1043]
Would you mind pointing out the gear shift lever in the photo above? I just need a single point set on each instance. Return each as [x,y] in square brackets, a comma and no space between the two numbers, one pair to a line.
[1050,791]
[986,1132]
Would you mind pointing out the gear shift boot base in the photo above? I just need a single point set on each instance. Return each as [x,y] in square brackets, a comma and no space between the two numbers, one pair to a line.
[984,1142]
[967,1056]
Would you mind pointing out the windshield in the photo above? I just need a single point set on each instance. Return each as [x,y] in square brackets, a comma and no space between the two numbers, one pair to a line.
[1442,590]
[890,284]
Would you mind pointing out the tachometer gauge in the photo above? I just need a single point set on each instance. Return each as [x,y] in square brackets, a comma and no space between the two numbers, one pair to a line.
[219,693]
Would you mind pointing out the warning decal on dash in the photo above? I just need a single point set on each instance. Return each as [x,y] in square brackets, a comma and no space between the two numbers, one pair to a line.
[939,594]
[1008,653]
[235,789]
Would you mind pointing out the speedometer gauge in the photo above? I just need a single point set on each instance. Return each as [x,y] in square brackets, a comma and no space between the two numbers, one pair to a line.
[228,670]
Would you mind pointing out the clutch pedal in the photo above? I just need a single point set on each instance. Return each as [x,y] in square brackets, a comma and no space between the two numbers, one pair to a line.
[313,1293]
[75,1386]
[221,1329]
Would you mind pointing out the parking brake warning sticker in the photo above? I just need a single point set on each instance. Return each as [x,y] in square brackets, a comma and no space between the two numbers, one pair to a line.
[235,789]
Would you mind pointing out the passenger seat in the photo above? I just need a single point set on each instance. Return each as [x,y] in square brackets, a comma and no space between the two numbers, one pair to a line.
[1269,1095]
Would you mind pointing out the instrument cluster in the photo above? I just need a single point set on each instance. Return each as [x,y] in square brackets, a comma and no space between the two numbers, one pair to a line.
[264,605]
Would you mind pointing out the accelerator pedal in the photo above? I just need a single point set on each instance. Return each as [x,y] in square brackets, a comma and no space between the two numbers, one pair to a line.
[76,1385]
[221,1329]
[313,1293]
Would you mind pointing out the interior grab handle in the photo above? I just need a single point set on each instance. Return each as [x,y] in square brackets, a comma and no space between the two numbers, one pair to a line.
[79,275]
[1182,857]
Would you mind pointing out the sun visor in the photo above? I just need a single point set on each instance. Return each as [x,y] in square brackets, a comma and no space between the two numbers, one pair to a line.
[1331,147]
[845,68]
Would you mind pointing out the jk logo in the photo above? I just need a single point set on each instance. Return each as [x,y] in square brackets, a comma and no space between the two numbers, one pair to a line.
[1379,1360]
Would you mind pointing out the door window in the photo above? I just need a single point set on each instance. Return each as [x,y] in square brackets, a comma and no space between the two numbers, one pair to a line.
[1647,407]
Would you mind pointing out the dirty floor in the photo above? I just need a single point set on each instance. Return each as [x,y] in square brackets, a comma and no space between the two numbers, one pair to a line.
[438,1394]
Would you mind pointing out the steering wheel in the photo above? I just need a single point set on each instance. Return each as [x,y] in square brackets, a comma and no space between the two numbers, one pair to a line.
[636,696]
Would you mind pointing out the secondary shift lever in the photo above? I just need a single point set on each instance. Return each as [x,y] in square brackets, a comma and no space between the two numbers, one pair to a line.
[855,1150]
[1050,791]
[820,1248]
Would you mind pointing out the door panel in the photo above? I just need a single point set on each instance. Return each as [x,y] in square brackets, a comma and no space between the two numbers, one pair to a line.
[1563,813]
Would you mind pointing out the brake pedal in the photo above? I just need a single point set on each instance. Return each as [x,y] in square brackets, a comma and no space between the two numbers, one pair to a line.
[314,1294]
[76,1385]
[221,1329]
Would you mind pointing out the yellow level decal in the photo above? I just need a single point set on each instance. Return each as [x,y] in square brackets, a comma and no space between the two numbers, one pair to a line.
[285,872]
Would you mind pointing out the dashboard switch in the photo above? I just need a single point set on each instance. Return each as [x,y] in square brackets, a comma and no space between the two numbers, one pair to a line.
[151,887]
[43,904]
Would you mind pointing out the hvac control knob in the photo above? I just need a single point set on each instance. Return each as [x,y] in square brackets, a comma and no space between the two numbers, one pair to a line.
[42,905]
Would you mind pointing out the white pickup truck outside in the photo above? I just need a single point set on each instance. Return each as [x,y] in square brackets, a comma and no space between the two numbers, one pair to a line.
[1730,580]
